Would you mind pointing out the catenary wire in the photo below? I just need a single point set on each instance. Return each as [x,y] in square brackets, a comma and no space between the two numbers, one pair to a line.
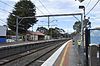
[36,7]
[13,7]
[93,7]
[49,11]
[88,3]
[45,7]
[6,4]
[3,22]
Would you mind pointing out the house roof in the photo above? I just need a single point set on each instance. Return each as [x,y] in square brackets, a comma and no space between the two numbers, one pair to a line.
[37,33]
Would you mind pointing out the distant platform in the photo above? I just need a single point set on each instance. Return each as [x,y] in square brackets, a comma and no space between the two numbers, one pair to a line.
[12,44]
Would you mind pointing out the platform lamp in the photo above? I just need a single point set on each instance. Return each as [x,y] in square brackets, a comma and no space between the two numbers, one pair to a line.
[83,7]
[80,0]
[86,44]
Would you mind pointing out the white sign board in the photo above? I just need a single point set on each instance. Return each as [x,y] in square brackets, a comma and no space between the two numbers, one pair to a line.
[98,54]
[3,30]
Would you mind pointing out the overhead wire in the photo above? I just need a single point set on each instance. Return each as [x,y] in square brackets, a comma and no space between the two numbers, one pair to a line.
[88,3]
[36,7]
[76,17]
[45,7]
[13,7]
[6,4]
[3,22]
[39,10]
[93,7]
[50,13]
[4,10]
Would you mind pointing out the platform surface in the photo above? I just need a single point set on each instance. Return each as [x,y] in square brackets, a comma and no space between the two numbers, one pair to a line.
[69,56]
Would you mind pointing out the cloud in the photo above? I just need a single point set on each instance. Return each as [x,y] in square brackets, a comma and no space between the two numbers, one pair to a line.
[59,7]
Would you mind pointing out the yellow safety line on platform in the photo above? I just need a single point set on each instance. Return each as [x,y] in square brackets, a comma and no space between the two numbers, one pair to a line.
[66,49]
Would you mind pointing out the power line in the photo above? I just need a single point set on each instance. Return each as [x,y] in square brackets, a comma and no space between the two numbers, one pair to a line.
[3,22]
[39,10]
[13,7]
[76,17]
[4,10]
[93,7]
[36,7]
[88,4]
[6,4]
[49,11]
[45,7]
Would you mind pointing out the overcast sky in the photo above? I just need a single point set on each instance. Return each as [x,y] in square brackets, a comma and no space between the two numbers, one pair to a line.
[56,7]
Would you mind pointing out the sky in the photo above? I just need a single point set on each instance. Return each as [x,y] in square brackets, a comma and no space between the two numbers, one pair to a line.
[56,7]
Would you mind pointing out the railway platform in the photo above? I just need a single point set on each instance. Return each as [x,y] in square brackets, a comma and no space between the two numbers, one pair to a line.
[66,55]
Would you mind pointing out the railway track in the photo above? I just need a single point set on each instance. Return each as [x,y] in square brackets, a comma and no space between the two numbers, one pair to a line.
[18,60]
[29,64]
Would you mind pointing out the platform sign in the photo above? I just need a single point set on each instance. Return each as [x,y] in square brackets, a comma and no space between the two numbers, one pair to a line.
[95,36]
[3,30]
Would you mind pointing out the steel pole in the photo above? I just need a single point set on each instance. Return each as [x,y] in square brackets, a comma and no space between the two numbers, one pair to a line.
[16,28]
[82,40]
[48,22]
[84,13]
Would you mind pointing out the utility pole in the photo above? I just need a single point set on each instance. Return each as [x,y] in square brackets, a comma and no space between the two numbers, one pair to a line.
[18,22]
[17,28]
[48,22]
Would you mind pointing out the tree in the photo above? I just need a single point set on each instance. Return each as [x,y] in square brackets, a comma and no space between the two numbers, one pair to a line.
[42,30]
[56,32]
[53,33]
[86,23]
[77,26]
[74,34]
[24,8]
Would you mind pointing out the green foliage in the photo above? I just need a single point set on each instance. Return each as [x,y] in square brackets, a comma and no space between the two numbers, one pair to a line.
[77,26]
[42,30]
[85,23]
[56,32]
[74,34]
[10,32]
[24,8]
[53,32]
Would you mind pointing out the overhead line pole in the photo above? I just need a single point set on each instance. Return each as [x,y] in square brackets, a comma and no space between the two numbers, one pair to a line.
[44,16]
[48,22]
[60,15]
[17,17]
[18,22]
[82,29]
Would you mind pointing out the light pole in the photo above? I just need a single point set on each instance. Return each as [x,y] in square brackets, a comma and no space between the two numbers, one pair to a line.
[82,26]
[84,38]
[82,33]
[83,7]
